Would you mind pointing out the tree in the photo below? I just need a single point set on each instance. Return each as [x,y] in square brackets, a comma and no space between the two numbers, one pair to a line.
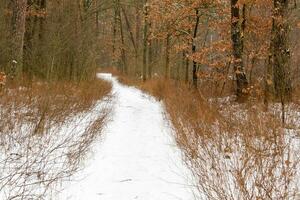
[145,40]
[280,51]
[237,44]
[18,31]
[35,24]
[195,76]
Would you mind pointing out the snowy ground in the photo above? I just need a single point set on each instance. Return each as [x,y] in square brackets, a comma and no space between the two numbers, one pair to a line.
[137,159]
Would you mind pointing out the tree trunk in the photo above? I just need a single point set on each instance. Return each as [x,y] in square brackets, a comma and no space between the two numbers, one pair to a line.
[150,59]
[41,35]
[280,51]
[237,43]
[18,32]
[167,64]
[187,65]
[30,24]
[145,48]
[195,76]
[137,35]
[123,53]
[114,60]
[180,66]
[268,80]
[42,18]
[97,19]
[129,30]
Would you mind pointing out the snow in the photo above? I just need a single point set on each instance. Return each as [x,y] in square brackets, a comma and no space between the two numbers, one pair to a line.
[33,163]
[138,157]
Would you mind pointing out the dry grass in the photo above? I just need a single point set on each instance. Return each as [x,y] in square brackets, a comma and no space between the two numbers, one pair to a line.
[127,80]
[46,131]
[59,99]
[236,151]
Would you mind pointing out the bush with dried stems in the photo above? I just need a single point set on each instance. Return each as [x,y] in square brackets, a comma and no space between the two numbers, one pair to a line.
[46,130]
[235,151]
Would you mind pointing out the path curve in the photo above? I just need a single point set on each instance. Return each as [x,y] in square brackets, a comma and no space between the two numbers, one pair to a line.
[137,159]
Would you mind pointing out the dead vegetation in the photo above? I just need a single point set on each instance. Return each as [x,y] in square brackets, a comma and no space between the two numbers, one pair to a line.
[236,151]
[46,130]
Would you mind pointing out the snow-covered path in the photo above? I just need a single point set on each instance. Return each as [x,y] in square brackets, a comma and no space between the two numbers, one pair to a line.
[137,158]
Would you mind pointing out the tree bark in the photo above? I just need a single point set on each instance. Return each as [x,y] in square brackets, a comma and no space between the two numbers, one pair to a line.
[237,43]
[150,59]
[129,30]
[137,34]
[42,8]
[18,32]
[167,64]
[30,29]
[97,19]
[114,61]
[145,47]
[123,53]
[280,50]
[195,76]
[187,65]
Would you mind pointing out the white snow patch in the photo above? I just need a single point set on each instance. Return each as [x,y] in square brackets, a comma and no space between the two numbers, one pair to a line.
[138,158]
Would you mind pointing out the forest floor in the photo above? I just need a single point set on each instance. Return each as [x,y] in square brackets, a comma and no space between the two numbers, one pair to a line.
[138,157]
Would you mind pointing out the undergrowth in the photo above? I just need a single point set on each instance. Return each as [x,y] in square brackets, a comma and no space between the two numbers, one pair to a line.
[235,150]
[46,130]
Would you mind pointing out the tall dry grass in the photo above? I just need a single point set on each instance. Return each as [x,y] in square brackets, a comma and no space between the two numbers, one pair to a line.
[46,130]
[236,151]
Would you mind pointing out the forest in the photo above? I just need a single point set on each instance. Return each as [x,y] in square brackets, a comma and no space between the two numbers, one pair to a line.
[225,75]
